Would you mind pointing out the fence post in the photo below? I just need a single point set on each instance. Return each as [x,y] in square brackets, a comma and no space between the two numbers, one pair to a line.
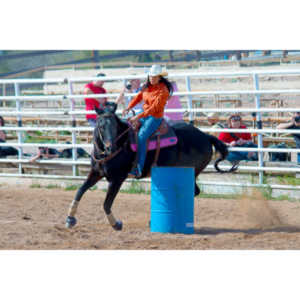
[19,119]
[259,126]
[4,94]
[190,101]
[72,108]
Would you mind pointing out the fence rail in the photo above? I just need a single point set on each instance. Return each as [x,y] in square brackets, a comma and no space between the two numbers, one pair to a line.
[71,98]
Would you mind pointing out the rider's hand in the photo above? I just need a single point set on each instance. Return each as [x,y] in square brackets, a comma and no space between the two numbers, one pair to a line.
[134,121]
[125,112]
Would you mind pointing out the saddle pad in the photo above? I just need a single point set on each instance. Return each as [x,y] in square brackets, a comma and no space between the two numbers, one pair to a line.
[166,140]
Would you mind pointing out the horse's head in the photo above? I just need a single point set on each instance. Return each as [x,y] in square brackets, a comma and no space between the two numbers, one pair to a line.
[106,130]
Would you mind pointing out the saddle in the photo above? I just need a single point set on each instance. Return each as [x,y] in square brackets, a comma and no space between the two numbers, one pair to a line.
[163,137]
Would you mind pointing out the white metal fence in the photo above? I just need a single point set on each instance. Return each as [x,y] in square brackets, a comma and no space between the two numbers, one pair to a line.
[19,112]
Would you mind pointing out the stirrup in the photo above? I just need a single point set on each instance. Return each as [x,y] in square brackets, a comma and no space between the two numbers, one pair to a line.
[135,173]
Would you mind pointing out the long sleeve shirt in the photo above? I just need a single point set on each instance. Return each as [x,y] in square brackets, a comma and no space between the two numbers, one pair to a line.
[155,99]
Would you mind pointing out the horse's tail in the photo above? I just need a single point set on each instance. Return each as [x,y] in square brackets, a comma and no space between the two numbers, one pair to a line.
[223,150]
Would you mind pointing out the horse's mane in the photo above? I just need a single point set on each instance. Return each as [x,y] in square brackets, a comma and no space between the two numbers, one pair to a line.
[121,123]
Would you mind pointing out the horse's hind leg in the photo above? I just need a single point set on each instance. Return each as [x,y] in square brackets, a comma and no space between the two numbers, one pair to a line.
[113,189]
[92,179]
[197,190]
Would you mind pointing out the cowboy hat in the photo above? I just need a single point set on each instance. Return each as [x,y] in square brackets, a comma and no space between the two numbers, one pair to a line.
[213,115]
[156,70]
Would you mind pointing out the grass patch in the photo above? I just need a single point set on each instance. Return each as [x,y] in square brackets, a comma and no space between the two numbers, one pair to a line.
[52,186]
[31,139]
[35,186]
[288,179]
[135,188]
[218,196]
[72,187]
[93,188]
[267,194]
[283,198]
[64,132]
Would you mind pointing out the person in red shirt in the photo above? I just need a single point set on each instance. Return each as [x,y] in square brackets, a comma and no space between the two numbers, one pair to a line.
[95,87]
[238,139]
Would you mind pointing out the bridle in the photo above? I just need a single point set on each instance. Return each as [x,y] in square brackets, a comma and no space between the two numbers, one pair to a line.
[110,156]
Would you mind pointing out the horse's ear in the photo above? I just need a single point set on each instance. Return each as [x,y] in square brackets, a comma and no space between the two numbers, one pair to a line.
[111,106]
[99,111]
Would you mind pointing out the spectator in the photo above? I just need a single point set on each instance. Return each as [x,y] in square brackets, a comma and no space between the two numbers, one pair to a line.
[213,120]
[95,87]
[5,150]
[133,86]
[293,124]
[45,152]
[238,139]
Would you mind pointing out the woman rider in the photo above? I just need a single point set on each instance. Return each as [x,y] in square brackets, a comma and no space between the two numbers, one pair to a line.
[155,93]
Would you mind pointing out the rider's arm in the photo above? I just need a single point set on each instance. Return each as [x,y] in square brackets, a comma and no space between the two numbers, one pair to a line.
[157,104]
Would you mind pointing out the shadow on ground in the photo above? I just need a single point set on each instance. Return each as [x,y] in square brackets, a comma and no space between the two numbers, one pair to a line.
[215,231]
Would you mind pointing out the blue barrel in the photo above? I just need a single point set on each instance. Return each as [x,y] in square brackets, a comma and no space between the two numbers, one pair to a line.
[172,200]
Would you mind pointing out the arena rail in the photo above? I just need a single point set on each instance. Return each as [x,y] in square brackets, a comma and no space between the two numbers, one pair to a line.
[72,112]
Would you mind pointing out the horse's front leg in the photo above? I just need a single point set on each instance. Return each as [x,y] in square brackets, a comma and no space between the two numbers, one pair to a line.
[113,189]
[92,179]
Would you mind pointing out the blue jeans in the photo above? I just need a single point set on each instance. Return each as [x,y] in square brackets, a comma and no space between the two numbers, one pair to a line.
[237,155]
[242,155]
[148,126]
[92,122]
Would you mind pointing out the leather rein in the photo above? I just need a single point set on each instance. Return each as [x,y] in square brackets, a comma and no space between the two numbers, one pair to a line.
[112,155]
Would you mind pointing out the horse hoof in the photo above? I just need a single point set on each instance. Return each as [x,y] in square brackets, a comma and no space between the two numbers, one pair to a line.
[70,222]
[118,225]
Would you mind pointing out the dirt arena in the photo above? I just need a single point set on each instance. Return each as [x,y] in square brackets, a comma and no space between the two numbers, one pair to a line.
[33,218]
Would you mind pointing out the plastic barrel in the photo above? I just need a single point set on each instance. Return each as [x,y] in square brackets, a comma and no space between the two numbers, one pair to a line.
[172,200]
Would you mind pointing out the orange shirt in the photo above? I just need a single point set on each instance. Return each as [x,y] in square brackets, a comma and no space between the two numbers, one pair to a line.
[155,99]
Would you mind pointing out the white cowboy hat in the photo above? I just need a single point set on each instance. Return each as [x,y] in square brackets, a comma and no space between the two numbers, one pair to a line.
[157,70]
[212,115]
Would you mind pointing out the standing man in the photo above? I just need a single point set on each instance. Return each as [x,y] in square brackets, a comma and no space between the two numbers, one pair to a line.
[133,86]
[95,87]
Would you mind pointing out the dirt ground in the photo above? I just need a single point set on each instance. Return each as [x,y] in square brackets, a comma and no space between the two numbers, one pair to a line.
[33,218]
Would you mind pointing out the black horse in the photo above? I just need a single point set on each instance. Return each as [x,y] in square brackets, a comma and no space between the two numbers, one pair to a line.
[113,159]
